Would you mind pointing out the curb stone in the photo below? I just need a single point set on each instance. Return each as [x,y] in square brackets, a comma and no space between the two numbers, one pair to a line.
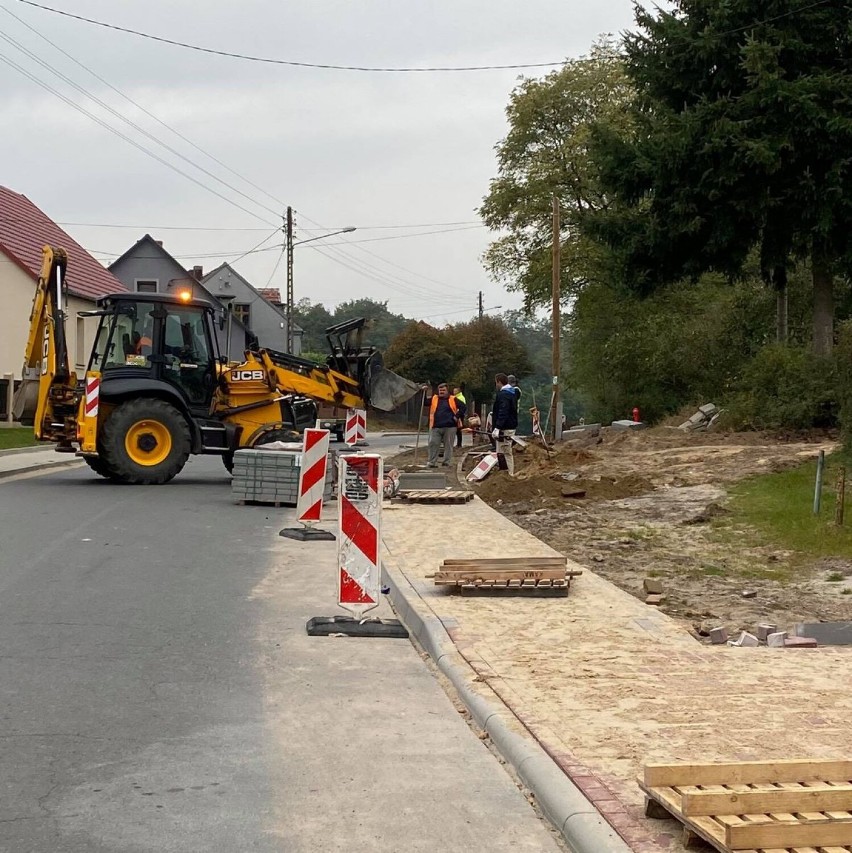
[41,466]
[34,448]
[584,829]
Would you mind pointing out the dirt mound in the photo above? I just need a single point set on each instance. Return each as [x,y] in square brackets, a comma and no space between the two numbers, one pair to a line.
[511,490]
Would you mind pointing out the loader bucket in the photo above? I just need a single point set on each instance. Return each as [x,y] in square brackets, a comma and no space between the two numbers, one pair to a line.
[385,390]
[25,401]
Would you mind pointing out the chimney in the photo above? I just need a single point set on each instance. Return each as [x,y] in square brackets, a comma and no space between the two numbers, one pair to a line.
[198,273]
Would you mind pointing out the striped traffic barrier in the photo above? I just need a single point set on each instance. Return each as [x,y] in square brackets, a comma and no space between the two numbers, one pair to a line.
[312,477]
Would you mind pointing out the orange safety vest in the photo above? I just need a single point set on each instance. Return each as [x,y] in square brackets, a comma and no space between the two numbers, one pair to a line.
[434,407]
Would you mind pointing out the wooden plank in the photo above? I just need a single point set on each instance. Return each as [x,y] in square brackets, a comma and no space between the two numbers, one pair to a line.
[745,772]
[499,562]
[814,834]
[443,576]
[708,828]
[815,799]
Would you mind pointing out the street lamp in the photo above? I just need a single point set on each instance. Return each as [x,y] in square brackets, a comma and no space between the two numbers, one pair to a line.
[290,247]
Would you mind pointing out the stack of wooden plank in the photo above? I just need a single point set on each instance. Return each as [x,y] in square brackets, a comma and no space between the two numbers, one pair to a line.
[525,575]
[800,806]
[436,496]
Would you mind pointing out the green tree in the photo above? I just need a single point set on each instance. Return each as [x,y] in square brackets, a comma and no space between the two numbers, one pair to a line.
[314,319]
[382,325]
[484,348]
[743,137]
[420,353]
[545,153]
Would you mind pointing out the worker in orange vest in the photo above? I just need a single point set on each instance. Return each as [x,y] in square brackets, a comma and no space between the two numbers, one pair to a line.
[445,416]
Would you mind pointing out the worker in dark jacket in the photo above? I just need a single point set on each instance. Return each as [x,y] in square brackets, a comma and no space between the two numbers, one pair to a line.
[504,420]
[445,417]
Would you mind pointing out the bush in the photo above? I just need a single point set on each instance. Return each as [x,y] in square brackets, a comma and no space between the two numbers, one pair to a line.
[786,387]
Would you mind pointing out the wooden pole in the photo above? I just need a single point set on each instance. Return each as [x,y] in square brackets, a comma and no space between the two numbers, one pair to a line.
[419,424]
[818,484]
[841,497]
[556,283]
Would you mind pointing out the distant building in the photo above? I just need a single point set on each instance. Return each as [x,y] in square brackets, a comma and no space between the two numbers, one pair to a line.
[258,308]
[146,267]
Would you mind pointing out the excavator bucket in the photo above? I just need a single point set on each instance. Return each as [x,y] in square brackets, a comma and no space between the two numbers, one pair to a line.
[385,390]
[25,401]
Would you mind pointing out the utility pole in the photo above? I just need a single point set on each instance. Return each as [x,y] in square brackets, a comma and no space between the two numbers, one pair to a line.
[480,305]
[288,231]
[556,282]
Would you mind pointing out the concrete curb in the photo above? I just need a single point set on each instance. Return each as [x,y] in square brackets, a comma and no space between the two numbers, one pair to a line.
[35,448]
[60,463]
[580,824]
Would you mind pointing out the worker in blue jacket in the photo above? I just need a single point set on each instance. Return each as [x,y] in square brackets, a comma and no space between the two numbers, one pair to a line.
[504,420]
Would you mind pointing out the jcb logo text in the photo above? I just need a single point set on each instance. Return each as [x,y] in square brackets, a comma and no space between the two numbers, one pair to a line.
[246,375]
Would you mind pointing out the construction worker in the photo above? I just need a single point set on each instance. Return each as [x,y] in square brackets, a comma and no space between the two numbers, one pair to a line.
[504,420]
[444,419]
[462,408]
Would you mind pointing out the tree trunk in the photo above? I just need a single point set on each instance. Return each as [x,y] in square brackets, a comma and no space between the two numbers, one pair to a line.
[781,315]
[823,305]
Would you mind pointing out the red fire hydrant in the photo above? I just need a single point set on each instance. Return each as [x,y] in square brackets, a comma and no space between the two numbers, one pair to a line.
[636,417]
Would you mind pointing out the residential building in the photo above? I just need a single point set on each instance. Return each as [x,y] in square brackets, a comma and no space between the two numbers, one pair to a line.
[146,267]
[258,308]
[24,230]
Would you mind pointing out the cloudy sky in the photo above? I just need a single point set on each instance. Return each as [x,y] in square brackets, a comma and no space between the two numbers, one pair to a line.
[372,150]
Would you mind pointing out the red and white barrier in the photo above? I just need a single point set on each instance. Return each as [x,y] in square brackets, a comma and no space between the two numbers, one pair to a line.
[312,475]
[93,395]
[483,469]
[359,540]
[356,426]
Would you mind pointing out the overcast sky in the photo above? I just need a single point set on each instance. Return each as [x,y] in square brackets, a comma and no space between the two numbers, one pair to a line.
[343,148]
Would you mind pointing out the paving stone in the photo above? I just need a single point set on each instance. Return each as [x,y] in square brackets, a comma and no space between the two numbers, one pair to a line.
[763,631]
[719,636]
[777,639]
[653,586]
[800,643]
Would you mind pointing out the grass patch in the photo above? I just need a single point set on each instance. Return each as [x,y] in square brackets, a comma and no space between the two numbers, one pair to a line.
[16,437]
[780,507]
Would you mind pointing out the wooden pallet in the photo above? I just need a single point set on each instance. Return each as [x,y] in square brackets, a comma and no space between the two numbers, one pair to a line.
[754,806]
[434,496]
[507,575]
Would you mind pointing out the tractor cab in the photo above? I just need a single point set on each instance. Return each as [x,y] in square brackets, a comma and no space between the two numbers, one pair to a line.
[156,339]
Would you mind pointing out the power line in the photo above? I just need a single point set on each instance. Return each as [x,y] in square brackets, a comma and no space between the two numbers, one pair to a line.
[143,109]
[272,61]
[452,288]
[397,237]
[47,87]
[83,91]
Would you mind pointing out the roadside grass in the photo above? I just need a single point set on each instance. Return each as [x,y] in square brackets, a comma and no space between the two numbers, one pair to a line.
[779,508]
[16,437]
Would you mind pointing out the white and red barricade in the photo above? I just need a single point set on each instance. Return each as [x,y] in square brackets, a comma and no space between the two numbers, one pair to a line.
[93,395]
[356,426]
[359,539]
[312,475]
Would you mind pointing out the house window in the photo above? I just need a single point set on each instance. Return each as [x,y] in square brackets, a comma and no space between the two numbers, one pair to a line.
[243,313]
[146,285]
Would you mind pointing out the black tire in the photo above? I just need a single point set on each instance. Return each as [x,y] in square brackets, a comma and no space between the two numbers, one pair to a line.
[228,461]
[277,435]
[100,467]
[149,419]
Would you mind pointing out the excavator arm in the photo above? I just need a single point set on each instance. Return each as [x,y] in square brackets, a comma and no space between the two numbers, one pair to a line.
[48,391]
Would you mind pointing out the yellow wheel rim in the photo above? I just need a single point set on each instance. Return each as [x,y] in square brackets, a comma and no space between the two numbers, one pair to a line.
[148,443]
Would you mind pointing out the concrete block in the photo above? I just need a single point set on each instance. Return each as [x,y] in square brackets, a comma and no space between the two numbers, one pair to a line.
[654,599]
[719,636]
[685,426]
[800,643]
[747,640]
[653,586]
[776,640]
[628,425]
[697,418]
[749,593]
[708,409]
[763,631]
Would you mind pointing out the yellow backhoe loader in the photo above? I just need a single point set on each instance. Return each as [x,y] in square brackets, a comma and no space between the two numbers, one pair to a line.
[157,390]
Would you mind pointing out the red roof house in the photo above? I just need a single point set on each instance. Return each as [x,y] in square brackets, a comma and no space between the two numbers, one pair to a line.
[24,229]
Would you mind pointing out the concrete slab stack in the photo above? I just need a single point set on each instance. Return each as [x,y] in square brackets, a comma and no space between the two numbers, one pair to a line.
[272,476]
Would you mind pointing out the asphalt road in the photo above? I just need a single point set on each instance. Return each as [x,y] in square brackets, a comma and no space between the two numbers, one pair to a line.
[158,691]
